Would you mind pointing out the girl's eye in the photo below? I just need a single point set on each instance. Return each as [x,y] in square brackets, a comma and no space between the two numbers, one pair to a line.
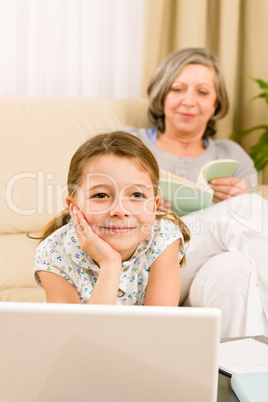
[100,195]
[138,195]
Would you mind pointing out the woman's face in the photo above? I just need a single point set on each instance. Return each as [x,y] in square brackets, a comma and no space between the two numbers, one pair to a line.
[191,101]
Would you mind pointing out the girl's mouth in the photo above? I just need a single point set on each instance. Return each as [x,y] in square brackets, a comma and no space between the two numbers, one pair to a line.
[116,229]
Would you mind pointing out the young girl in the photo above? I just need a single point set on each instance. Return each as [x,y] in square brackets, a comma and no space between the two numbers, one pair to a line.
[111,245]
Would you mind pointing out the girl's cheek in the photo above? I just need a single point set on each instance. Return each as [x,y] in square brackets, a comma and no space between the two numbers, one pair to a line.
[149,206]
[95,211]
[146,228]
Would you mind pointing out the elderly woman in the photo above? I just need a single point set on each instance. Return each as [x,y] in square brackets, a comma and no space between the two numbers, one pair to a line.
[228,251]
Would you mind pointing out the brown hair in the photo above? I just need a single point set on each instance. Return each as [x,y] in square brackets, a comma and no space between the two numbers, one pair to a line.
[165,75]
[120,144]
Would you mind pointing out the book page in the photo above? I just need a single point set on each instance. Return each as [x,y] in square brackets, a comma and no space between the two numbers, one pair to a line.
[164,175]
[243,356]
[185,197]
[217,168]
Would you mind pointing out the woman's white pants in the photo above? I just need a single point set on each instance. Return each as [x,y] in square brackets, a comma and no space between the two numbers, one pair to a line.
[226,264]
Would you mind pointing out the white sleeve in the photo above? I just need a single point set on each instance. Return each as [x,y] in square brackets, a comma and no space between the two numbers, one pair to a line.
[49,259]
[165,233]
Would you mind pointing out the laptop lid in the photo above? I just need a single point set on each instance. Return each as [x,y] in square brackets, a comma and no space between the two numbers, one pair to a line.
[77,353]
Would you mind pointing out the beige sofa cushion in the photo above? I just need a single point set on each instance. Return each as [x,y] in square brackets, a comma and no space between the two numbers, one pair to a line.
[16,269]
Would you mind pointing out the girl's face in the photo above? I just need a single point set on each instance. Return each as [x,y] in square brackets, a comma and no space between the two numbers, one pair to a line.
[191,101]
[116,196]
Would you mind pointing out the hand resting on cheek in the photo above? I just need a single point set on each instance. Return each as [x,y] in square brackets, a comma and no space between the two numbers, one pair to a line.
[90,241]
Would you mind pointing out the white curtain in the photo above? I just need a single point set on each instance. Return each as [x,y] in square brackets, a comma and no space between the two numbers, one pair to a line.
[72,48]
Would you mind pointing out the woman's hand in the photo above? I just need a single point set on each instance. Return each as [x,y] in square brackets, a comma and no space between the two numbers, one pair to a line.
[226,187]
[90,241]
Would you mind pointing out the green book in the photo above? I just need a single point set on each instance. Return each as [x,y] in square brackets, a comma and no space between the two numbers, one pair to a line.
[186,196]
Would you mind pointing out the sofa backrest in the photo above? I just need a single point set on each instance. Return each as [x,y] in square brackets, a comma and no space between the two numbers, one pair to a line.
[39,137]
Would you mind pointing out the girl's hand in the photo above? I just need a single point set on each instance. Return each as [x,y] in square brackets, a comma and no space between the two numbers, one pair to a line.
[90,241]
[109,260]
[226,187]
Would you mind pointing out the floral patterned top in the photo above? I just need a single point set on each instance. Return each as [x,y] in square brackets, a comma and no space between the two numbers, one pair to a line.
[61,254]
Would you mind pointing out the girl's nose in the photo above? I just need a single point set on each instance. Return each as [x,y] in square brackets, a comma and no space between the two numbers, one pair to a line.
[119,210]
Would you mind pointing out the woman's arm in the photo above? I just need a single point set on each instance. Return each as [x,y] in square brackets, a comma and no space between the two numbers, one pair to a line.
[163,288]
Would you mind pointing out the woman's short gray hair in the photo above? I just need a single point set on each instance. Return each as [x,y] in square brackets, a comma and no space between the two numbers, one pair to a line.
[169,69]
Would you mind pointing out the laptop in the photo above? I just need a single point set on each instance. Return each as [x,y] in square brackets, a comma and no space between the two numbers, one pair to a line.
[78,353]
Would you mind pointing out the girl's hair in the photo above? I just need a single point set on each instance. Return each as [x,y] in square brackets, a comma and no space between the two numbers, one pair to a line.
[120,144]
[169,69]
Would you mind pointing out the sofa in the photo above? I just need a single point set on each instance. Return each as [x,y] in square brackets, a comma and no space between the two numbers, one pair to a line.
[39,137]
